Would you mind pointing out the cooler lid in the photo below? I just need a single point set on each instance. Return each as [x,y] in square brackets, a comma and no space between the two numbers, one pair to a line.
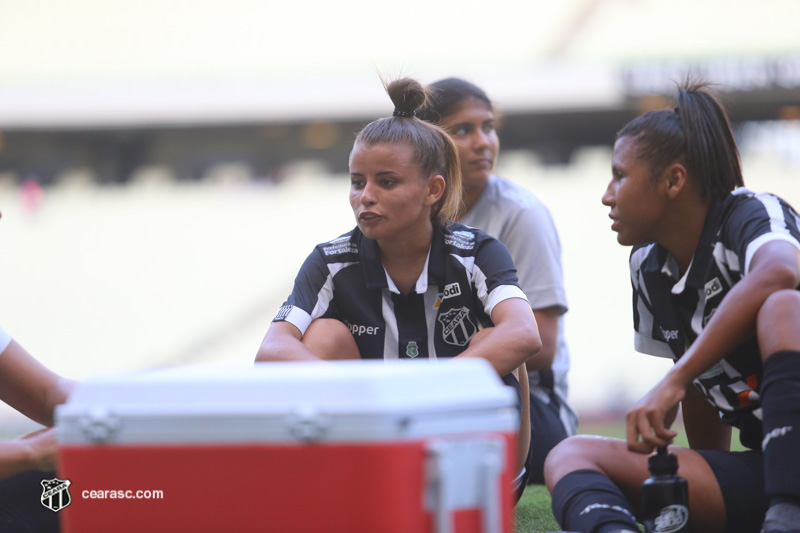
[457,393]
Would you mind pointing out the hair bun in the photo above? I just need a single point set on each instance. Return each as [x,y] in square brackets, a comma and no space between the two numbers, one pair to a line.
[407,95]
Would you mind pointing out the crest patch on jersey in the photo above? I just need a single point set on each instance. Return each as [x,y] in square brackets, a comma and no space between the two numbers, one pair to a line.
[412,350]
[457,328]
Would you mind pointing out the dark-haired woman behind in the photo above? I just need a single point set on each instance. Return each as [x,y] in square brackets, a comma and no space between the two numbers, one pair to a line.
[715,269]
[406,282]
[523,223]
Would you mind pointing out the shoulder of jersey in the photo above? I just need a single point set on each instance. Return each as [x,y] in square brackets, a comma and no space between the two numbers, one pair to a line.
[463,237]
[342,245]
[743,201]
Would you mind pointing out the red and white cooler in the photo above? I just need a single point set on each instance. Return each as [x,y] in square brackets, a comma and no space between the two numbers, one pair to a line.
[351,446]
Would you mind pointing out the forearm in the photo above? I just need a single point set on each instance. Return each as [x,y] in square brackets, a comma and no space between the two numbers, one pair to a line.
[30,387]
[284,342]
[506,348]
[57,395]
[524,433]
[547,322]
[701,421]
[284,351]
[733,323]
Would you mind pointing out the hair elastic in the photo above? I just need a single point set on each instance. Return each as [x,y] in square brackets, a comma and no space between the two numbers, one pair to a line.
[401,113]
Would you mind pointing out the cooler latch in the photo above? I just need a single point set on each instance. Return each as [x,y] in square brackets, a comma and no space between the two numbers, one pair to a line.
[308,425]
[465,474]
[99,425]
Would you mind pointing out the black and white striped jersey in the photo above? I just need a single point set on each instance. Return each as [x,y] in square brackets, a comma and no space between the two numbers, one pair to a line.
[466,274]
[670,311]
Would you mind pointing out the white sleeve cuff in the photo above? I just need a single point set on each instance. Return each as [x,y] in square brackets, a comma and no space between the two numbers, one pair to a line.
[753,247]
[500,293]
[297,317]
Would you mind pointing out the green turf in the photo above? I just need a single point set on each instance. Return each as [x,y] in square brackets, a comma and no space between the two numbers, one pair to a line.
[533,511]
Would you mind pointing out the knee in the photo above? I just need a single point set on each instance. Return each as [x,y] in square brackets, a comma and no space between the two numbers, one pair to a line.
[780,306]
[777,322]
[576,445]
[572,453]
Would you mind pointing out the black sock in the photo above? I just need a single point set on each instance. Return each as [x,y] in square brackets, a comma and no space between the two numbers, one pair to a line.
[783,499]
[586,500]
[780,400]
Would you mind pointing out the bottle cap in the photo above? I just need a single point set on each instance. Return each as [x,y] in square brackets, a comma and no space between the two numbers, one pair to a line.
[663,463]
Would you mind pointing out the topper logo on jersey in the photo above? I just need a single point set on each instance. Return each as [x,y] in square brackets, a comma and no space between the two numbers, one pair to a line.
[358,330]
[457,328]
[669,334]
[713,288]
[454,289]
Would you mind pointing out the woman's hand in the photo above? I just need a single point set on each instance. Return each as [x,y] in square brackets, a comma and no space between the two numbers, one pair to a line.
[649,421]
[42,445]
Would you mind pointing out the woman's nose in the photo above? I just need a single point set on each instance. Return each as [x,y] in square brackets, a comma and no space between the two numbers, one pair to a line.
[608,196]
[480,140]
[368,194]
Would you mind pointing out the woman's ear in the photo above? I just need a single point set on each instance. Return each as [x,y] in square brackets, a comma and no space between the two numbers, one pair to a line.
[675,177]
[436,187]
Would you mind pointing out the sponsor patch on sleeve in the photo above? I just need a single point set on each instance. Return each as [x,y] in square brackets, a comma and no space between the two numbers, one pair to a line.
[283,312]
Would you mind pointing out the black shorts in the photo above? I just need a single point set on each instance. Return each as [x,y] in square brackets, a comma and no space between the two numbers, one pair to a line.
[547,430]
[741,478]
[21,508]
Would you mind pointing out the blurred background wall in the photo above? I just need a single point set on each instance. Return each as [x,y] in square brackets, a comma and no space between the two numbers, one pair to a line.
[166,166]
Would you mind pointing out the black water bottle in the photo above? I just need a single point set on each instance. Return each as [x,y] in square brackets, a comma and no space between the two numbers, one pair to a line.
[665,496]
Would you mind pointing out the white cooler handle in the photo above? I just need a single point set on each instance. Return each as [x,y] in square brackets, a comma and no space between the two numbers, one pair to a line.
[465,474]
